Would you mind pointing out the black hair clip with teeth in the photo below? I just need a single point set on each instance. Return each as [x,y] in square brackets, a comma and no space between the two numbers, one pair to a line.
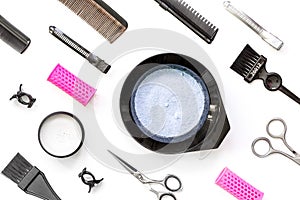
[23,98]
[89,179]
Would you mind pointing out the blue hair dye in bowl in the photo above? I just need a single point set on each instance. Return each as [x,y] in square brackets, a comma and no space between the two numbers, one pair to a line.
[170,103]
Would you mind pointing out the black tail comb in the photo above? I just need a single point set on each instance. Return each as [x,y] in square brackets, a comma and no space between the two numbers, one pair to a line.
[30,179]
[251,66]
[191,18]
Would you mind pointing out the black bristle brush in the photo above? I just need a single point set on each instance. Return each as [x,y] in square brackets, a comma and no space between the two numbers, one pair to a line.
[29,178]
[252,66]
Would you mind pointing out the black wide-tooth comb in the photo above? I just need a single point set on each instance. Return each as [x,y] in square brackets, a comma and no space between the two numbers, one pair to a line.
[252,66]
[191,18]
[30,179]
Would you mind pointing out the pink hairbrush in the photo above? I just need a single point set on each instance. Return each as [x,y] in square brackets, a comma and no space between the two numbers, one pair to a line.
[71,84]
[236,186]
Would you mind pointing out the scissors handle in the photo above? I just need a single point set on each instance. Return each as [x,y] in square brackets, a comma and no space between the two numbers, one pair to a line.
[270,151]
[172,183]
[167,196]
[282,134]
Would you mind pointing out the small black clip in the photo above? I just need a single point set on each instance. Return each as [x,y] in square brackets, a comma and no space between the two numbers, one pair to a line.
[91,182]
[20,95]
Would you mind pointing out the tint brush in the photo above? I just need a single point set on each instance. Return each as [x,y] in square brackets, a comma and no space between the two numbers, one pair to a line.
[252,66]
[29,178]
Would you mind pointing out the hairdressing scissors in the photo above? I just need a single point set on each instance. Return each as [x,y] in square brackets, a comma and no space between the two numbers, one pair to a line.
[145,180]
[295,157]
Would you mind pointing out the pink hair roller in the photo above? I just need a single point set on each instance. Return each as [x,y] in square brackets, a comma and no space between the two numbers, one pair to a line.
[236,186]
[71,84]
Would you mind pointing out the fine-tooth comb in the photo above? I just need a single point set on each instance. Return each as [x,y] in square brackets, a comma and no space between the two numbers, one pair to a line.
[30,179]
[252,66]
[268,37]
[13,36]
[191,18]
[100,16]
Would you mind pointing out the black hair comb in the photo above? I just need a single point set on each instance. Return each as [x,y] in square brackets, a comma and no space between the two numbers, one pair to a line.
[191,18]
[13,36]
[252,66]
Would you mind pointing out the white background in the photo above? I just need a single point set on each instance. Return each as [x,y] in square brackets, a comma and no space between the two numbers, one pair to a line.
[249,106]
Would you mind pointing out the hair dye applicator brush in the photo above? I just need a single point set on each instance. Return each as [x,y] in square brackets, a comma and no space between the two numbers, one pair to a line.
[252,66]
[29,178]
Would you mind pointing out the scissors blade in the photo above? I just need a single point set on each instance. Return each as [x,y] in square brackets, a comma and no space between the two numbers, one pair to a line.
[296,159]
[126,165]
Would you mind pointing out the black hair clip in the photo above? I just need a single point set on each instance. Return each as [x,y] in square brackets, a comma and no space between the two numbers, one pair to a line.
[23,98]
[89,180]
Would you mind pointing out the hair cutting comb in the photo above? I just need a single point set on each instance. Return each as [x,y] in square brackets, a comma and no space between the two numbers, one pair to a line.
[236,186]
[100,16]
[30,179]
[72,85]
[13,36]
[252,66]
[268,37]
[191,18]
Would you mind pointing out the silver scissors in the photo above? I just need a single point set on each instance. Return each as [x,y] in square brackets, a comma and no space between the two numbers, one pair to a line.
[145,180]
[295,157]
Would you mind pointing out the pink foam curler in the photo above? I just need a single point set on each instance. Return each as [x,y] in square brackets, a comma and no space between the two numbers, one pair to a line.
[71,84]
[236,186]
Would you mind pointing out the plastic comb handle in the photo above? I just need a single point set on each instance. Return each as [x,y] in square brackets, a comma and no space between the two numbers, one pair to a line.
[71,84]
[236,186]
